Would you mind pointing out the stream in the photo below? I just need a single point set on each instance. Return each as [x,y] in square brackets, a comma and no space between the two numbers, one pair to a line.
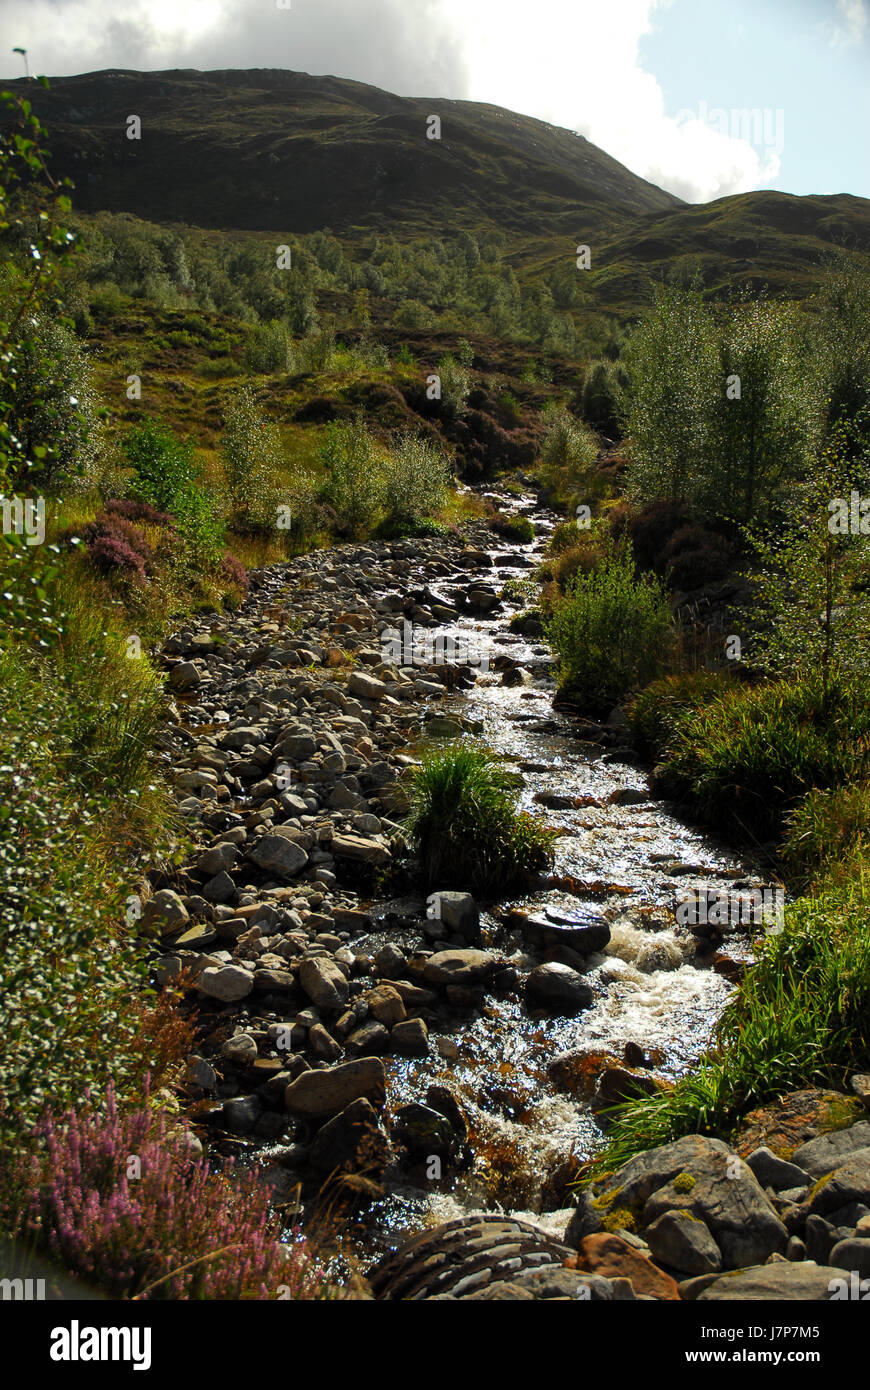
[628,861]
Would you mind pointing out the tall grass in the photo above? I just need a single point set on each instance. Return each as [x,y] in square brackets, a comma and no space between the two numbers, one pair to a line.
[745,760]
[466,828]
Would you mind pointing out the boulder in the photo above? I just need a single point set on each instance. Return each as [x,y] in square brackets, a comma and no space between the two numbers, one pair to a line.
[459,912]
[826,1152]
[351,1142]
[801,1280]
[410,1038]
[558,988]
[458,967]
[680,1241]
[278,855]
[324,982]
[613,1258]
[331,1089]
[228,983]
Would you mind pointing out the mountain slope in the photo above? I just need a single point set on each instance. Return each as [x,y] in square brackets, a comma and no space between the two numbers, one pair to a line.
[270,150]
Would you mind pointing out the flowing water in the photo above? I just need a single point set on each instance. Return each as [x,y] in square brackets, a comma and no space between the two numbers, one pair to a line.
[631,862]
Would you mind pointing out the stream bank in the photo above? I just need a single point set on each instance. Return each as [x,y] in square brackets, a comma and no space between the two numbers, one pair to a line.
[348,1039]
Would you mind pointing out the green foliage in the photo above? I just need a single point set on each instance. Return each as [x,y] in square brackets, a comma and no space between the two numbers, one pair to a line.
[455,384]
[743,761]
[465,825]
[828,826]
[35,247]
[611,632]
[269,348]
[416,478]
[166,477]
[721,410]
[601,396]
[809,609]
[354,476]
[253,463]
[77,721]
[655,714]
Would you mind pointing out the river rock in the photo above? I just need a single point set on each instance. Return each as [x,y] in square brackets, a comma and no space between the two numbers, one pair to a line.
[469,967]
[847,1184]
[367,687]
[229,983]
[558,988]
[802,1281]
[351,1142]
[278,854]
[358,847]
[584,931]
[680,1241]
[327,1091]
[775,1172]
[614,1258]
[460,913]
[825,1153]
[324,982]
[410,1038]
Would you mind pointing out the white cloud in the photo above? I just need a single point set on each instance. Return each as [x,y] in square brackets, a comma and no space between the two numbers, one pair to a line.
[852,24]
[575,63]
[579,66]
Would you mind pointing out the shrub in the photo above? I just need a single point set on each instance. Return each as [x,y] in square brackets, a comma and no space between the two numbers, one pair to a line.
[139,511]
[745,760]
[55,406]
[455,385]
[253,462]
[656,712]
[601,396]
[611,632]
[650,528]
[416,478]
[232,571]
[176,1231]
[166,478]
[269,348]
[569,446]
[513,528]
[465,825]
[694,557]
[828,825]
[353,486]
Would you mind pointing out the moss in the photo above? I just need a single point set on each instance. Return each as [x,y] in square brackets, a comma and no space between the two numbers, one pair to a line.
[840,1114]
[684,1182]
[606,1199]
[817,1187]
[620,1219]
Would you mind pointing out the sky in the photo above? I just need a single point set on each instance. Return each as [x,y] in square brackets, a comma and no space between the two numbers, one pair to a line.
[703,97]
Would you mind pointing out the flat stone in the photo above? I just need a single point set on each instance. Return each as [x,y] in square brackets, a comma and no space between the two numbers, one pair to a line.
[410,1038]
[801,1280]
[358,847]
[330,1089]
[229,983]
[351,1142]
[848,1183]
[470,967]
[366,687]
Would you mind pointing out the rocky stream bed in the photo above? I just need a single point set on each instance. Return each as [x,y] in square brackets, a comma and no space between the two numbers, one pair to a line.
[401,1069]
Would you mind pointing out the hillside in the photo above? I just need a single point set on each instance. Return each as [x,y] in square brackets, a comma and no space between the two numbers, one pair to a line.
[285,151]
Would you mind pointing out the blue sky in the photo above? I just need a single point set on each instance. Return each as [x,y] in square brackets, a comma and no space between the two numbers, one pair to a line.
[669,87]
[802,57]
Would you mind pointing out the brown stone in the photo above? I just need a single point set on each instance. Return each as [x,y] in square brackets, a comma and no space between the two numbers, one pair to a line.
[614,1258]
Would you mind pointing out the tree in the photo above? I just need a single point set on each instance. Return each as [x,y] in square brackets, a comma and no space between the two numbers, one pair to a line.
[354,474]
[36,245]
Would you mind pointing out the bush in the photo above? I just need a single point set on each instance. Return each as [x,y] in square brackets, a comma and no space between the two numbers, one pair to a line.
[466,828]
[166,478]
[55,406]
[656,712]
[826,826]
[611,632]
[117,547]
[455,385]
[650,528]
[78,805]
[416,478]
[743,762]
[253,462]
[601,397]
[175,1231]
[354,475]
[269,348]
[513,528]
[694,557]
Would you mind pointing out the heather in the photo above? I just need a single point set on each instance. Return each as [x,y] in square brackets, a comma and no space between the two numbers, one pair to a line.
[120,1200]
